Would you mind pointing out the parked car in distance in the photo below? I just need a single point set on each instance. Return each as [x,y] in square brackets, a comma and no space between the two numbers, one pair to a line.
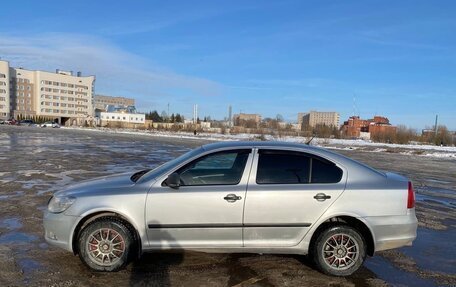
[240,197]
[11,122]
[26,122]
[50,125]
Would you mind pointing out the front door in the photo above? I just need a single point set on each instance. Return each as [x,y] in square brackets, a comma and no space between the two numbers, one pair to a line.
[288,191]
[207,208]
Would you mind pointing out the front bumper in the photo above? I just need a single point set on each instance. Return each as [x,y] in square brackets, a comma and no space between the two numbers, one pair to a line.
[393,231]
[58,229]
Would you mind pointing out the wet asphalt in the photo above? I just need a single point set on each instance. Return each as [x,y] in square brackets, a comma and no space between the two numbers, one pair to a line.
[36,162]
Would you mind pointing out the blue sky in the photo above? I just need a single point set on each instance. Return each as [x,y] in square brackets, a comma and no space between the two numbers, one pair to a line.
[397,58]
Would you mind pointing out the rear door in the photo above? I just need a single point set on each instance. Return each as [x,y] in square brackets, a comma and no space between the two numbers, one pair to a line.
[287,192]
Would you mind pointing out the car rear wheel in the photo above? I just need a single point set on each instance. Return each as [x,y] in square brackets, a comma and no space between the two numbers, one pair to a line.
[106,244]
[339,250]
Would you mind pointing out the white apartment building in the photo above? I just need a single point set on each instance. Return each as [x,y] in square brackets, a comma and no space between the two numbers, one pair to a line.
[314,118]
[60,95]
[4,91]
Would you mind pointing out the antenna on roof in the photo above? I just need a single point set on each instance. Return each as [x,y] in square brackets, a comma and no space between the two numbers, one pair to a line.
[354,104]
[309,141]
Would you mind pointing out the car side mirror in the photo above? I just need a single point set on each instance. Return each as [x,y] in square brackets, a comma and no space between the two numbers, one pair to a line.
[173,180]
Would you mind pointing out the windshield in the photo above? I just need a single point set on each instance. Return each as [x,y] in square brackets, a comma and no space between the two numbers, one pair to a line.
[169,165]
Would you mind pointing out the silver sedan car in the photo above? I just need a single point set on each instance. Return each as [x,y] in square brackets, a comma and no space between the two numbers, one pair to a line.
[252,197]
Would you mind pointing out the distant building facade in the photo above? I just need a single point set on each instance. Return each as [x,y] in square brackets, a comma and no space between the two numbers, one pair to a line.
[120,116]
[356,127]
[315,118]
[59,96]
[247,120]
[101,101]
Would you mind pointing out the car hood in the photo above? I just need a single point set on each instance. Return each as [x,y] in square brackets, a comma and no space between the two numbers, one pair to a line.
[101,185]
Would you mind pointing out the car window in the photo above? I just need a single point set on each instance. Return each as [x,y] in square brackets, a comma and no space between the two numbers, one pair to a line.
[282,167]
[324,171]
[290,167]
[217,161]
[220,168]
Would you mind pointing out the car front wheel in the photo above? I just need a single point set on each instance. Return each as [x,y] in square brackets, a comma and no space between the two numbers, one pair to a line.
[339,250]
[106,244]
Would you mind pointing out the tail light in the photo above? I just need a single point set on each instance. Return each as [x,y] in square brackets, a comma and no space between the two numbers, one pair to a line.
[411,196]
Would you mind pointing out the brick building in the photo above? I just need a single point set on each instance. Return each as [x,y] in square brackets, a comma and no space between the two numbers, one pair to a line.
[247,120]
[355,126]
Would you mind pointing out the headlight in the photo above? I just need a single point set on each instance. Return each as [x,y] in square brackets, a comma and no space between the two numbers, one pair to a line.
[60,204]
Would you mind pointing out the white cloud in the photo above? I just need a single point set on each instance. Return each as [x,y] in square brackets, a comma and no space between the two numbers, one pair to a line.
[118,71]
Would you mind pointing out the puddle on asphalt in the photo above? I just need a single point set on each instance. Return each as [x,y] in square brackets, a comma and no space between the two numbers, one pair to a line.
[437,181]
[43,245]
[438,245]
[432,190]
[14,194]
[432,199]
[11,223]
[394,276]
[436,195]
[17,238]
[28,265]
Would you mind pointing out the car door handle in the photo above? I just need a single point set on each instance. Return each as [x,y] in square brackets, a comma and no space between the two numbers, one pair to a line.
[232,197]
[321,197]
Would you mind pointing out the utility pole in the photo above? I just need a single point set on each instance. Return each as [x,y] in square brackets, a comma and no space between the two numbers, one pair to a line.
[230,111]
[435,126]
[195,114]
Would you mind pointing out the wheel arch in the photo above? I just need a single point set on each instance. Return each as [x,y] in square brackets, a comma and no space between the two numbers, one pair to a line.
[351,221]
[92,216]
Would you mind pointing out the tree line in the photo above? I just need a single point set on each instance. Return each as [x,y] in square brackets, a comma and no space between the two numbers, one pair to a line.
[164,118]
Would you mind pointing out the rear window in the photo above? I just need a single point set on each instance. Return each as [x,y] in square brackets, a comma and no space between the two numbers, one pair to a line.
[324,171]
[289,167]
[275,167]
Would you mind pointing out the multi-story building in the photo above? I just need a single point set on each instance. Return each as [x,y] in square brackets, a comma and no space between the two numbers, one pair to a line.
[356,127]
[247,120]
[101,101]
[4,91]
[60,96]
[314,118]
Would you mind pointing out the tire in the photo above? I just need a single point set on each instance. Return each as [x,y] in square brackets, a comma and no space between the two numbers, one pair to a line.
[106,244]
[339,250]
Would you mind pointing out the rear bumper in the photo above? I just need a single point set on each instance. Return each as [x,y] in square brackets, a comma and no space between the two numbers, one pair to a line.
[393,231]
[58,229]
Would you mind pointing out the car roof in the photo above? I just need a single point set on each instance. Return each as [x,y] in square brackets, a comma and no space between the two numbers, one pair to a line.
[333,156]
[264,144]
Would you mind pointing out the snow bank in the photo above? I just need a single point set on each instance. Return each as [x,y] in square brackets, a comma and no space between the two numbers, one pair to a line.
[338,144]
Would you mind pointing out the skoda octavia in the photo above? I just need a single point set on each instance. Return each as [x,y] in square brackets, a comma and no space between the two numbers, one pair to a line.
[251,197]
